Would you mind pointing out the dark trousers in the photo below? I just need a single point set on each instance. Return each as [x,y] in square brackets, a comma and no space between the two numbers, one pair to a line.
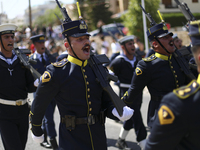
[152,111]
[14,133]
[48,121]
[136,120]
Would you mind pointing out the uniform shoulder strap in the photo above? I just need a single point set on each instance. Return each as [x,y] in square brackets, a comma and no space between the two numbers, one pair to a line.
[188,90]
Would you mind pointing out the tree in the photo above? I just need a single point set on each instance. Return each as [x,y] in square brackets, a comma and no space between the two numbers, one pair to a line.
[49,17]
[93,11]
[133,18]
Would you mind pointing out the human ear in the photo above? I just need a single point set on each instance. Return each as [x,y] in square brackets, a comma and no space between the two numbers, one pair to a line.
[66,44]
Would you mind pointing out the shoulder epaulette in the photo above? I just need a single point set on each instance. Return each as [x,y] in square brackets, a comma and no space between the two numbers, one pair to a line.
[185,91]
[60,63]
[150,58]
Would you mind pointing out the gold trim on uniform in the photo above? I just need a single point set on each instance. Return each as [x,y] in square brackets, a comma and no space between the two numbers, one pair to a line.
[150,58]
[164,57]
[46,77]
[77,61]
[60,63]
[138,71]
[185,91]
[165,115]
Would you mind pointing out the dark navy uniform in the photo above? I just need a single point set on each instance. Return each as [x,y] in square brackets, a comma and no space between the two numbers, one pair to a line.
[177,125]
[48,122]
[161,74]
[16,81]
[124,69]
[72,83]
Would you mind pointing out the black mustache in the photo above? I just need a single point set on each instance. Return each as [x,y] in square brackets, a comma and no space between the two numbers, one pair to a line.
[86,46]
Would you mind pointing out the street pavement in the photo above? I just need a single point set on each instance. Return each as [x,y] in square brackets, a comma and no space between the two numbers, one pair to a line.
[112,127]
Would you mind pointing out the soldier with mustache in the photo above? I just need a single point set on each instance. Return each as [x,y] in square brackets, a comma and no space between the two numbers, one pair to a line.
[82,102]
[159,72]
[177,123]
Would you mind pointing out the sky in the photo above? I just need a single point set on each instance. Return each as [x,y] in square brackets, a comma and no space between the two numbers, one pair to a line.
[14,8]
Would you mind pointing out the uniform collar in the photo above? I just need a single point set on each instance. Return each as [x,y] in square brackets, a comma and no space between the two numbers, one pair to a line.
[77,61]
[164,57]
[198,79]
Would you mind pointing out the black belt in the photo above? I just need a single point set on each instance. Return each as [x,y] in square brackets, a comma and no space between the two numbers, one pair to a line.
[156,98]
[71,121]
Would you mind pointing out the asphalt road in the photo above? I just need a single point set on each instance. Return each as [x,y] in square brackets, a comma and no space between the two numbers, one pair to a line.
[112,128]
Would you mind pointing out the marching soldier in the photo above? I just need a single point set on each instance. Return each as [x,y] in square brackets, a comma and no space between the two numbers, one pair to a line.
[81,101]
[160,72]
[16,81]
[123,66]
[43,59]
[177,125]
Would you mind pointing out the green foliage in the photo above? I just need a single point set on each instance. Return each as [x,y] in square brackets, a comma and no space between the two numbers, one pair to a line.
[94,10]
[177,19]
[49,17]
[133,18]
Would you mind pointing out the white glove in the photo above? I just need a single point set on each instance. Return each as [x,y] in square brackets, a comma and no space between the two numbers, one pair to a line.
[127,113]
[37,139]
[36,82]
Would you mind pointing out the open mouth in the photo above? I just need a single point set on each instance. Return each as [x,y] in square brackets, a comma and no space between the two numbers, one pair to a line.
[10,45]
[133,50]
[86,49]
[171,43]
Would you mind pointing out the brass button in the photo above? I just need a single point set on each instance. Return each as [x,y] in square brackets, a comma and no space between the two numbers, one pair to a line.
[176,76]
[83,70]
[174,71]
[88,96]
[87,83]
[90,109]
[90,103]
[88,89]
[176,81]
[171,66]
[85,76]
[90,114]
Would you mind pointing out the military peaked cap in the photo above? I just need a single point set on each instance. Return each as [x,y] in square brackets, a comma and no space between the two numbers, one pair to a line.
[75,28]
[37,38]
[158,30]
[194,32]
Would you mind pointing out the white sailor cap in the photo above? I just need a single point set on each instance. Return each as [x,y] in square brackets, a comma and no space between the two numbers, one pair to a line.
[126,39]
[7,28]
[175,36]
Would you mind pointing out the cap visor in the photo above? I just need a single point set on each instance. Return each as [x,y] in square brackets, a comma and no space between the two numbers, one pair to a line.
[80,34]
[165,34]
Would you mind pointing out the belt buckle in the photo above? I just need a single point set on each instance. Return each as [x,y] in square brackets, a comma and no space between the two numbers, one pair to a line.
[70,122]
[91,120]
[18,102]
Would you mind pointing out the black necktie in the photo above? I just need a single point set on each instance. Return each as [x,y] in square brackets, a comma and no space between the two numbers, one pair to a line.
[43,60]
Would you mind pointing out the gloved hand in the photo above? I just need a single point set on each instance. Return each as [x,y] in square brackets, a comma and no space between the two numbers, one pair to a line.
[37,139]
[37,134]
[36,82]
[127,113]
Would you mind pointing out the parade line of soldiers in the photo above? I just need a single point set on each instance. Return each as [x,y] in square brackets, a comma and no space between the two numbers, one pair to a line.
[76,82]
